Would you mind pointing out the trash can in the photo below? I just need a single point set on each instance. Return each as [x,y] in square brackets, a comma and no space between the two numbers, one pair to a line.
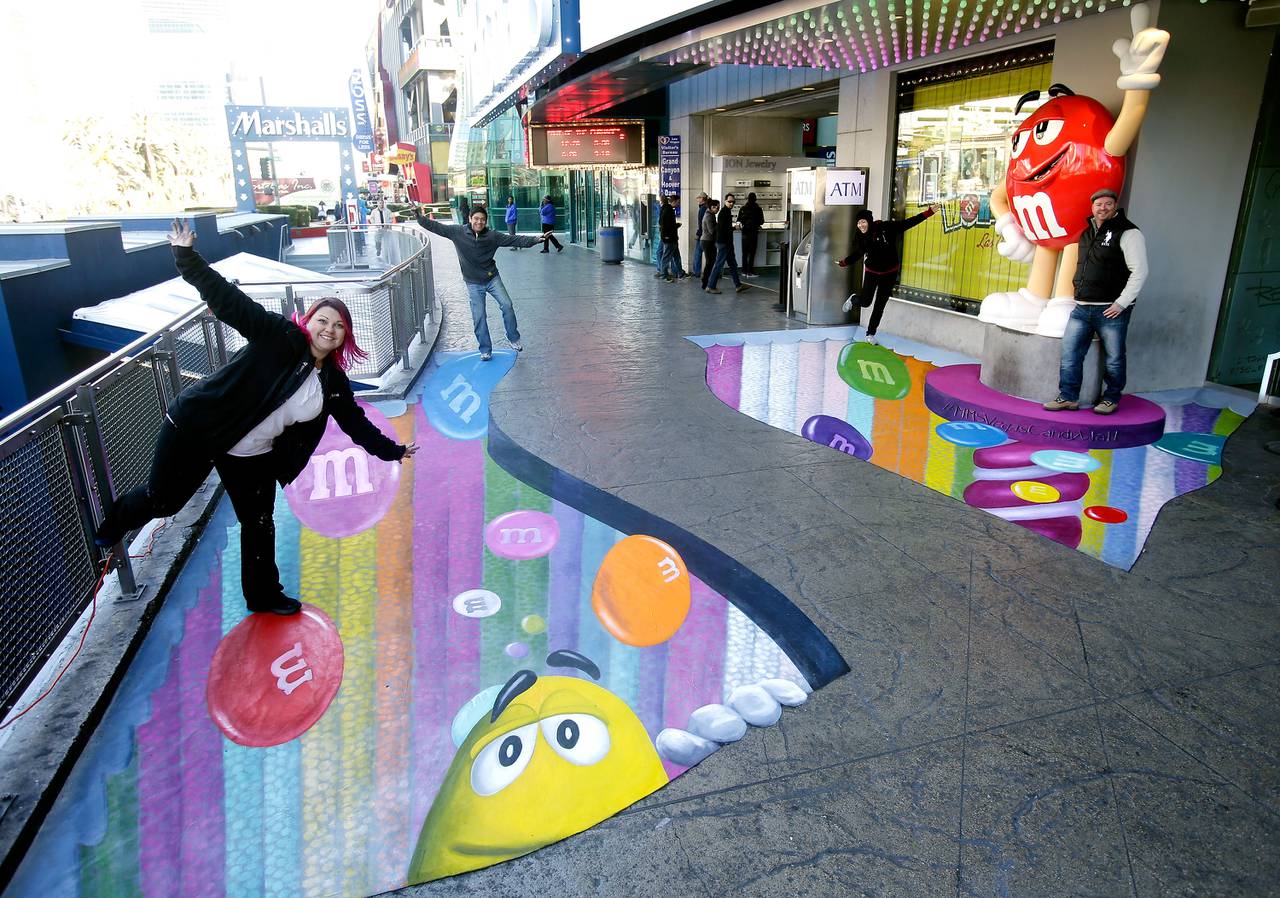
[610,240]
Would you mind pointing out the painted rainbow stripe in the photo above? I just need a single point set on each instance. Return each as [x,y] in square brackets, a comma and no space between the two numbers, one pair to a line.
[183,811]
[783,379]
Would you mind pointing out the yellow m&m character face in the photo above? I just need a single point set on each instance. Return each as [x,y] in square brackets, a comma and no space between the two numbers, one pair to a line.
[556,756]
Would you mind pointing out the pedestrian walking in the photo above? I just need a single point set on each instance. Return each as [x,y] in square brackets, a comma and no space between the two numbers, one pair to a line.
[707,242]
[513,214]
[256,421]
[724,248]
[547,212]
[697,235]
[475,245]
[379,218]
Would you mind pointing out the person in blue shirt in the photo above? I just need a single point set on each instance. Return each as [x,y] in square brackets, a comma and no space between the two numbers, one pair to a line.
[548,214]
[512,215]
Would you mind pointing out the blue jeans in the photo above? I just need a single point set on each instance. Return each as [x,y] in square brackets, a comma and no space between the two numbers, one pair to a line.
[476,293]
[697,256]
[1084,322]
[724,254]
[669,263]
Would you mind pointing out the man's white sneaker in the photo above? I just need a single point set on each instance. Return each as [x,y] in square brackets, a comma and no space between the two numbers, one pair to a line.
[517,346]
[871,338]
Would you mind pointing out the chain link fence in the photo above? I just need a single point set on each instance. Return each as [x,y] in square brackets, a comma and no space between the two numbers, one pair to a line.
[64,457]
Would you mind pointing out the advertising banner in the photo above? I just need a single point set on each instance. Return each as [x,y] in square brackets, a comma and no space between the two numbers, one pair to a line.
[362,138]
[669,165]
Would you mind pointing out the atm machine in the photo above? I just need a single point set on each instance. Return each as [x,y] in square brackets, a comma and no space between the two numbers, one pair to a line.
[822,206]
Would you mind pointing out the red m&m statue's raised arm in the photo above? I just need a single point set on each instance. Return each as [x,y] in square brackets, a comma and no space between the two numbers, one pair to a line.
[1063,153]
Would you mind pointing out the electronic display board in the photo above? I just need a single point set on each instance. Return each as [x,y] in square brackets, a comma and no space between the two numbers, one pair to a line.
[587,143]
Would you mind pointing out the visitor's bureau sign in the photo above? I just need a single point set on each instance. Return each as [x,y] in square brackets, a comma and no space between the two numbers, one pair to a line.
[297,123]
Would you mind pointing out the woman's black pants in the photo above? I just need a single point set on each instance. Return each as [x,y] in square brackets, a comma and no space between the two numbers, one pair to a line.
[876,288]
[180,465]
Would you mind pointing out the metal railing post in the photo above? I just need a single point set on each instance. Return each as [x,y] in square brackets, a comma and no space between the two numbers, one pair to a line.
[80,477]
[171,362]
[102,479]
[219,341]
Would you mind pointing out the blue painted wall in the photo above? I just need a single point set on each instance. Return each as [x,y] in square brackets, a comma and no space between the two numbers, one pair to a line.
[34,305]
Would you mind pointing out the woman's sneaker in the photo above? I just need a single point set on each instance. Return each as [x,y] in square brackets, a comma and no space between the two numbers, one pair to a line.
[517,346]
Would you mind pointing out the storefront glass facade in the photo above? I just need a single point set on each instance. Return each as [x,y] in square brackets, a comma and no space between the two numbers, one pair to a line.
[585,199]
[952,147]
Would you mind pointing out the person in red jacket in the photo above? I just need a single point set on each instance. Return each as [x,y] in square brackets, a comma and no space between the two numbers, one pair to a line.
[877,243]
[256,420]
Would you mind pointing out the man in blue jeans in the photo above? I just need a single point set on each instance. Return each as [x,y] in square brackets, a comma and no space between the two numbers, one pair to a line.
[1111,267]
[724,248]
[697,236]
[476,244]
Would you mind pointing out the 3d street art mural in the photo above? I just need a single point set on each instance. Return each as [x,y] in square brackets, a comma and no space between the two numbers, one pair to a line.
[492,656]
[1088,482]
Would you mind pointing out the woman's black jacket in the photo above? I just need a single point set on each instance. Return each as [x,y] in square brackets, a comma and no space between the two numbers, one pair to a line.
[228,404]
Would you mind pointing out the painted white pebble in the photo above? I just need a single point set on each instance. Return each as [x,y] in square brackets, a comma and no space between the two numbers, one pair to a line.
[785,692]
[718,723]
[686,749]
[756,706]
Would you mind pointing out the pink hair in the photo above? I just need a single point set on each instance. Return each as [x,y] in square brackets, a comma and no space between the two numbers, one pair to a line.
[349,353]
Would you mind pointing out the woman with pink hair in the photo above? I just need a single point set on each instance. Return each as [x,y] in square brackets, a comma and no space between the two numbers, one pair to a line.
[256,421]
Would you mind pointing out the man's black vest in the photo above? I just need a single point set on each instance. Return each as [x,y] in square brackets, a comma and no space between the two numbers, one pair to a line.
[1101,271]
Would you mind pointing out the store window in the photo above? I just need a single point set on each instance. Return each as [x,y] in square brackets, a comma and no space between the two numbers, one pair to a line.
[954,123]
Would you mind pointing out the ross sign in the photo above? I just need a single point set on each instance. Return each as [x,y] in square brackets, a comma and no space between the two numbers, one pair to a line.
[669,165]
[846,187]
[596,143]
[402,154]
[362,139]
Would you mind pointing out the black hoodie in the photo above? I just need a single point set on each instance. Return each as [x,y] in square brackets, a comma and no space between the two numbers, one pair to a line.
[475,251]
[751,216]
[880,243]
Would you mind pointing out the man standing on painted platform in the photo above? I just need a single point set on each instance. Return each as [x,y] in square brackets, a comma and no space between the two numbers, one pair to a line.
[1111,270]
[476,243]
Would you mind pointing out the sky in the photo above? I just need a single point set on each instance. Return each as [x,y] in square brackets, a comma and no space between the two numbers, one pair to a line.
[60,61]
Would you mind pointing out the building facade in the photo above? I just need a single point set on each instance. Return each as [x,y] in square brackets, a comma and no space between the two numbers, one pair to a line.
[925,98]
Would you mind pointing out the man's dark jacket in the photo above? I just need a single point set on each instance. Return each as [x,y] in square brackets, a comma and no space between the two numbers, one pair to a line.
[475,251]
[667,224]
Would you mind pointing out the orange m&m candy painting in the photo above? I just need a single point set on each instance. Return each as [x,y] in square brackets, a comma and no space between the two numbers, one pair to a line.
[641,593]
